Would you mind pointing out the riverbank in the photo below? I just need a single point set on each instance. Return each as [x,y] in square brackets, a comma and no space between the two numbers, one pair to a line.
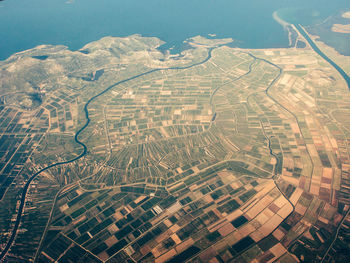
[313,45]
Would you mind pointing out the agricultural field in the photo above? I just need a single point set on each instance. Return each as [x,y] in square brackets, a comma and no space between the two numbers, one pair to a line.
[216,155]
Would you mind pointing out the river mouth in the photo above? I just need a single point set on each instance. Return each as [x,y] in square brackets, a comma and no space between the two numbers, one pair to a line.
[325,57]
[319,23]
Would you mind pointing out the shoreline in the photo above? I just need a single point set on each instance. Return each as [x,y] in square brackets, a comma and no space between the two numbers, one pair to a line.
[186,44]
[279,20]
[314,46]
[286,26]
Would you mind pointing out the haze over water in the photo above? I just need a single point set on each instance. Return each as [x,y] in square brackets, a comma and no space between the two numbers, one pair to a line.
[26,24]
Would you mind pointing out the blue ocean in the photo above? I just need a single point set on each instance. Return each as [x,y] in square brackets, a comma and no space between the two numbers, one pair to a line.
[25,24]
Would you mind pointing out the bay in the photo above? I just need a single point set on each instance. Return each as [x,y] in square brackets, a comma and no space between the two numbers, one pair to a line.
[25,24]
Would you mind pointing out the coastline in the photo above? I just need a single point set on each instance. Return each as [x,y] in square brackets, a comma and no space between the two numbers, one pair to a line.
[314,46]
[286,26]
[279,20]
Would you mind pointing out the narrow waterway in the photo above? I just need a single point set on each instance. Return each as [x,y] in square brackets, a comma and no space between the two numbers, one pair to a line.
[323,55]
[77,140]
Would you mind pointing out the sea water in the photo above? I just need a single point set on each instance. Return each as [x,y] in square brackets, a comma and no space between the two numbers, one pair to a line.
[25,24]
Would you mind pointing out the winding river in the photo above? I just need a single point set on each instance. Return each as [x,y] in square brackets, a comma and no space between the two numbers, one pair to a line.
[77,140]
[86,111]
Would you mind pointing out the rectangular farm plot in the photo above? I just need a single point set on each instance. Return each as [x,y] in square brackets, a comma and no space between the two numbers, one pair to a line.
[121,221]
